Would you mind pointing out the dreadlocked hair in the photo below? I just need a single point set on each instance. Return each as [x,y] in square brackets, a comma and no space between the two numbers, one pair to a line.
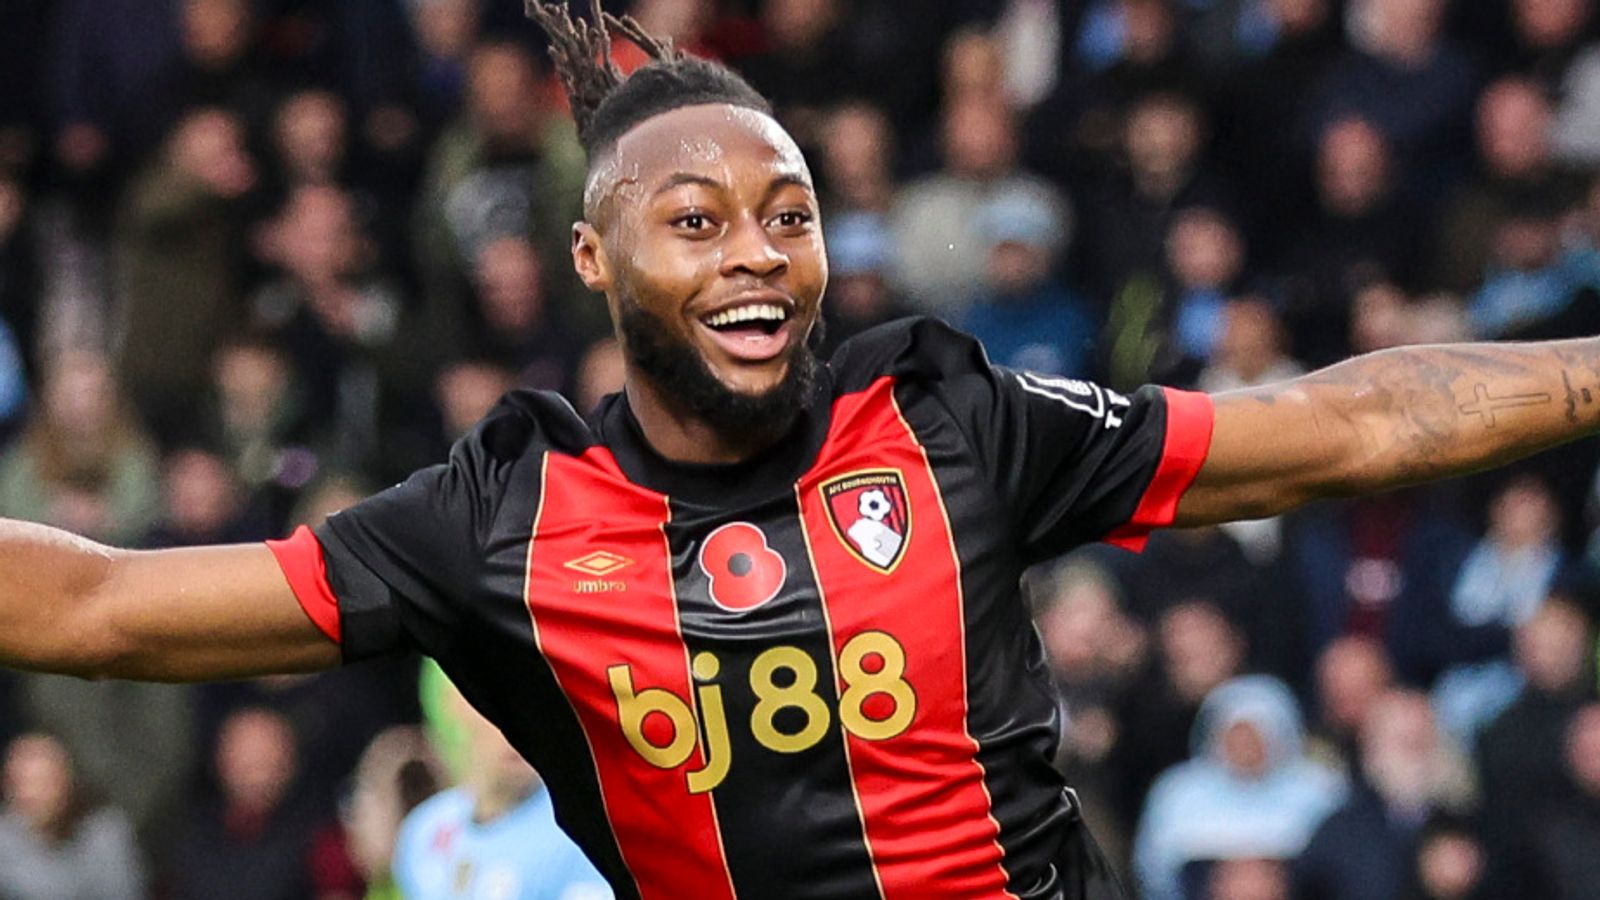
[606,103]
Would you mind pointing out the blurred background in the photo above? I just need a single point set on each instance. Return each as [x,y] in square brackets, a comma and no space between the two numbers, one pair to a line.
[259,257]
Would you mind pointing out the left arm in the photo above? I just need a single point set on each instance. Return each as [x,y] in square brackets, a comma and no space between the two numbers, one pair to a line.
[1389,419]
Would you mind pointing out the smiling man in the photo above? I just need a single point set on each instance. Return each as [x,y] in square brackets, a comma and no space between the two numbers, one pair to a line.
[756,619]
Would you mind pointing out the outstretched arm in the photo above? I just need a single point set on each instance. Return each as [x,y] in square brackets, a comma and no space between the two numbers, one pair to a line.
[1390,419]
[70,605]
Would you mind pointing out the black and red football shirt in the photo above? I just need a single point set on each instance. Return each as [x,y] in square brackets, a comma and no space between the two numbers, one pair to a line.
[806,675]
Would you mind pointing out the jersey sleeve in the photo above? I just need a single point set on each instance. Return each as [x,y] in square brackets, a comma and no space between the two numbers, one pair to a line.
[1076,462]
[1070,462]
[394,571]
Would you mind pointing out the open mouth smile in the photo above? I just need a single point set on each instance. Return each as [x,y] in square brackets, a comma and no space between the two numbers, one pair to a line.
[752,332]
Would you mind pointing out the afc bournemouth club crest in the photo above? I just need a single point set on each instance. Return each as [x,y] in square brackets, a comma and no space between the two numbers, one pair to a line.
[870,515]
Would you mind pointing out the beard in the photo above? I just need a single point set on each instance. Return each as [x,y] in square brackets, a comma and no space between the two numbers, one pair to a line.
[688,384]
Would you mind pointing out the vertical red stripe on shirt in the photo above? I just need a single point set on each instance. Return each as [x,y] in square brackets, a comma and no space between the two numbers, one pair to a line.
[300,557]
[923,800]
[598,603]
[1190,416]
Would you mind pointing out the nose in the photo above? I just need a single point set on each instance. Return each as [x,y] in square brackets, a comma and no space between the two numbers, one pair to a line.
[750,251]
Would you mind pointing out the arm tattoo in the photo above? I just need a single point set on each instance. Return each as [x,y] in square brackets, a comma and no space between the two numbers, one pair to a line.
[1484,406]
[1431,401]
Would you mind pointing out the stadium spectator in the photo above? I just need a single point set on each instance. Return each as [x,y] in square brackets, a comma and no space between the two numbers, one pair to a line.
[442,33]
[1359,226]
[1196,649]
[55,842]
[1514,165]
[1251,347]
[939,252]
[1541,281]
[1450,862]
[1095,651]
[219,64]
[511,323]
[1500,586]
[1364,849]
[1255,101]
[1128,216]
[1125,50]
[857,161]
[1411,82]
[1248,879]
[467,390]
[493,835]
[1248,791]
[1351,675]
[508,165]
[104,57]
[205,503]
[1368,566]
[335,313]
[1024,315]
[860,264]
[1208,257]
[177,254]
[809,62]
[1546,36]
[1566,846]
[254,410]
[82,458]
[310,139]
[352,861]
[1519,755]
[253,825]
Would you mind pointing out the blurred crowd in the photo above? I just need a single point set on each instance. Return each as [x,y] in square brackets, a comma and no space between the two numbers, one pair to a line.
[258,257]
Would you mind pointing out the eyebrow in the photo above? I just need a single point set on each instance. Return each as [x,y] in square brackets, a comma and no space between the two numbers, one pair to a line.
[679,179]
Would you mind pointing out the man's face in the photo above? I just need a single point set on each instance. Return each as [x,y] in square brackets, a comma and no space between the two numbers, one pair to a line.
[704,233]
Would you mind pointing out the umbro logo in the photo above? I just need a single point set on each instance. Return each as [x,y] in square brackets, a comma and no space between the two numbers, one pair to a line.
[597,565]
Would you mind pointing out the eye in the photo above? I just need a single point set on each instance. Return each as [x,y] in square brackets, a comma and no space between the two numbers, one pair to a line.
[693,222]
[792,218]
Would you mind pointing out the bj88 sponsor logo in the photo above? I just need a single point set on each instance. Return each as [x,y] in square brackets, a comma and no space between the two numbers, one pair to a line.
[792,710]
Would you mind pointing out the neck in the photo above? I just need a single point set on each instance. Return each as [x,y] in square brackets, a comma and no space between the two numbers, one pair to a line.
[681,437]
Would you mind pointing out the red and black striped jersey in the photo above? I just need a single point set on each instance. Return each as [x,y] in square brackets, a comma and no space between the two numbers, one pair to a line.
[806,675]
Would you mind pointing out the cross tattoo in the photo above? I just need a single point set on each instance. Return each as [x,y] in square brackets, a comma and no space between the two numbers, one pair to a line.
[1485,406]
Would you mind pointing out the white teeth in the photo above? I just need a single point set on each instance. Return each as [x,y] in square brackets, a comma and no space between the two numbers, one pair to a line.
[770,312]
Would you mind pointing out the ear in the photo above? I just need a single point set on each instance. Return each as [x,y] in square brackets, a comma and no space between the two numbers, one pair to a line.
[589,258]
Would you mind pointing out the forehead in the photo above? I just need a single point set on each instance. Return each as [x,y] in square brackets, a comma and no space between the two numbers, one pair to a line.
[719,141]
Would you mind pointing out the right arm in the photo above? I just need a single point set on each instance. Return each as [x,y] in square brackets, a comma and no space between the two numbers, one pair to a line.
[73,606]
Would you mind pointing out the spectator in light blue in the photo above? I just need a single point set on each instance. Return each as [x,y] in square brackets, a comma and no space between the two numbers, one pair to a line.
[1025,317]
[1248,792]
[493,836]
[1541,282]
[1503,581]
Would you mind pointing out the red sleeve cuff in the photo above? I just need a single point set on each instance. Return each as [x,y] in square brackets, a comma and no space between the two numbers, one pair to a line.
[1189,419]
[300,558]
